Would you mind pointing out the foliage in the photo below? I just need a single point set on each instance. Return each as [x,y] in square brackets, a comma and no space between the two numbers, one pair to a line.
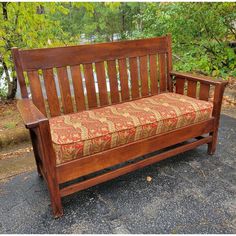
[201,32]
[23,26]
[96,21]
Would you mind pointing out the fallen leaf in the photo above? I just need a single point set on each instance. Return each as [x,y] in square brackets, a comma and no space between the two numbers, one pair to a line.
[149,178]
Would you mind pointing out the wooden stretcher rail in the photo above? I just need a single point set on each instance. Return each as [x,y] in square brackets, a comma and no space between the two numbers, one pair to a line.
[132,167]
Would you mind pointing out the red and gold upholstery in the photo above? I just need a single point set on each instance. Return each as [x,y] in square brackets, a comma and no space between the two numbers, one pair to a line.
[88,132]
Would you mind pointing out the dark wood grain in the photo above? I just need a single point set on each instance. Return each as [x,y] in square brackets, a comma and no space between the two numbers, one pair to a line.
[36,91]
[132,167]
[180,85]
[162,71]
[204,91]
[134,77]
[82,54]
[169,63]
[153,74]
[78,88]
[19,70]
[198,78]
[38,160]
[112,74]
[90,86]
[192,89]
[123,79]
[144,75]
[217,103]
[51,91]
[30,113]
[65,90]
[49,159]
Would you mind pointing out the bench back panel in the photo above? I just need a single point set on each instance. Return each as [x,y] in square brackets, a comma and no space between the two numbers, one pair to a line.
[76,78]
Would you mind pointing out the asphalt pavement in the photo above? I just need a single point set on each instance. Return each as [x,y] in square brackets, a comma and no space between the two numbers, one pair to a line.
[189,193]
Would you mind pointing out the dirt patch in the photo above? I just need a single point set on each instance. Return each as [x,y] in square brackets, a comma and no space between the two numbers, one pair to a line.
[230,94]
[6,154]
[16,160]
[9,116]
[229,102]
[12,129]
[16,165]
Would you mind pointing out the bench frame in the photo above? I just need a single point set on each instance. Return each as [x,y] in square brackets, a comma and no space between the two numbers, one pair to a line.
[37,122]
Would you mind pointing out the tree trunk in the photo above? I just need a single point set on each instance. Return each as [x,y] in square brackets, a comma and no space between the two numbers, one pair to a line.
[12,88]
[11,85]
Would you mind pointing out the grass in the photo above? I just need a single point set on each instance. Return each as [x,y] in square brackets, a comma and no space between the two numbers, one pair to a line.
[10,125]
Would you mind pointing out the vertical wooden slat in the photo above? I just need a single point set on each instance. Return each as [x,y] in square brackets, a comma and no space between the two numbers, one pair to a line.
[153,74]
[204,91]
[162,71]
[144,75]
[51,91]
[78,87]
[192,89]
[169,62]
[90,85]
[134,77]
[102,85]
[180,85]
[123,79]
[65,90]
[36,91]
[112,74]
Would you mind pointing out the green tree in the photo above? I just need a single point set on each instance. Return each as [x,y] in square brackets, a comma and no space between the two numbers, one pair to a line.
[201,33]
[26,25]
[95,21]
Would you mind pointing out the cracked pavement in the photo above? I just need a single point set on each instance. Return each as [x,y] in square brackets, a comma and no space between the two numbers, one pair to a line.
[189,193]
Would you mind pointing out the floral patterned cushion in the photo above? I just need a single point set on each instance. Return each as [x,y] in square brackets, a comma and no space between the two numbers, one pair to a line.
[88,132]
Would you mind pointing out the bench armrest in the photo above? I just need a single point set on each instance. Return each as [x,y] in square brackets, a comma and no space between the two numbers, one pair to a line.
[204,93]
[39,127]
[198,78]
[30,113]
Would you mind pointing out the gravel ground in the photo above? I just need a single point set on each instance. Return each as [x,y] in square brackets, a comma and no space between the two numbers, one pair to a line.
[189,193]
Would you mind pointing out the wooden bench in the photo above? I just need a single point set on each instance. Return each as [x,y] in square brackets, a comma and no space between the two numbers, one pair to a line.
[92,81]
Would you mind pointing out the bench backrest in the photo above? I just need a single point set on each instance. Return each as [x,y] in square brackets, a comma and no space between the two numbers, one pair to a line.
[76,78]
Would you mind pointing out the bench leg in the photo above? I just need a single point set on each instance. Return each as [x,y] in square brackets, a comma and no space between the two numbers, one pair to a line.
[55,197]
[49,168]
[36,151]
[212,145]
[217,102]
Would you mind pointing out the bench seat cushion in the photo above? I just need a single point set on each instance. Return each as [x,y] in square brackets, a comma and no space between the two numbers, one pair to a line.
[88,132]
